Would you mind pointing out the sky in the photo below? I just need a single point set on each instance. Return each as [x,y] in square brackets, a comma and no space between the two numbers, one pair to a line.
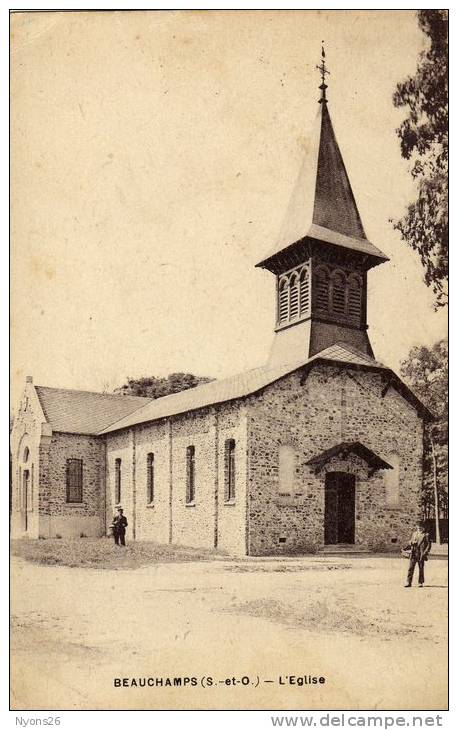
[153,158]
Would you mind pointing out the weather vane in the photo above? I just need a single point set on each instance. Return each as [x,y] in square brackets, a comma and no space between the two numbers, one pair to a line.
[323,71]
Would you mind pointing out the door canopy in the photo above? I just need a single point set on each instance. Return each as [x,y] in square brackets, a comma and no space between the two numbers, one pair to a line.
[373,461]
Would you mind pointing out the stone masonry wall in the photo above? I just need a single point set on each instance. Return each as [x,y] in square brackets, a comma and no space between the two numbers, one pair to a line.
[152,519]
[232,532]
[120,446]
[57,516]
[210,521]
[312,414]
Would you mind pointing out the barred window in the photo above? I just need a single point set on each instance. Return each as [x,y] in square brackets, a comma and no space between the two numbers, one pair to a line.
[229,470]
[118,481]
[150,478]
[74,480]
[190,474]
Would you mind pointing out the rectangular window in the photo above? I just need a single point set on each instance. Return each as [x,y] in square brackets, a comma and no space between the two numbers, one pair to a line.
[74,480]
[150,478]
[229,470]
[118,481]
[190,474]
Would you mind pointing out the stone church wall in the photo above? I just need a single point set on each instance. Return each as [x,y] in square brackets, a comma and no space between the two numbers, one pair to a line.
[232,532]
[56,515]
[210,520]
[152,520]
[119,446]
[311,414]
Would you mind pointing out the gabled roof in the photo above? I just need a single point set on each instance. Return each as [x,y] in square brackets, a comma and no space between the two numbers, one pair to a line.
[322,205]
[237,386]
[84,412]
[354,447]
[80,411]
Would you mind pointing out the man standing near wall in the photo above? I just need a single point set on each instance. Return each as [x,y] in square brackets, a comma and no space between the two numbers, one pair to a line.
[119,525]
[420,545]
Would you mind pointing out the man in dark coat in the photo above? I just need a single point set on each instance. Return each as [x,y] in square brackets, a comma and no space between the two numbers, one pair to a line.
[119,527]
[420,545]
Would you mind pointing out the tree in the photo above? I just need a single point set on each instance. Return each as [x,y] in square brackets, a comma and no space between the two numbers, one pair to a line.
[424,140]
[152,387]
[426,371]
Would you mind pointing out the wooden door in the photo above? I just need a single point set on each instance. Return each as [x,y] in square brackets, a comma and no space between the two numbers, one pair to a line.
[339,509]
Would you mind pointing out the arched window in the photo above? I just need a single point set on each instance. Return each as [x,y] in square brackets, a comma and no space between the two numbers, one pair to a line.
[338,293]
[354,297]
[283,301]
[294,296]
[286,469]
[118,481]
[190,475]
[229,470]
[150,478]
[304,292]
[25,457]
[391,478]
[321,283]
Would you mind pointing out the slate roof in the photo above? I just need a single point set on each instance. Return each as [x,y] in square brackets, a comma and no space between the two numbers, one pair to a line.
[80,411]
[237,386]
[354,447]
[322,204]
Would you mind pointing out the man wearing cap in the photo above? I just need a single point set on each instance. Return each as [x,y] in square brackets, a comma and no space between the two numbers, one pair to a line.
[119,525]
[420,545]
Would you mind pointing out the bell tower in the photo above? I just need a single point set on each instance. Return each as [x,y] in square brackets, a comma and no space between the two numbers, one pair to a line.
[323,255]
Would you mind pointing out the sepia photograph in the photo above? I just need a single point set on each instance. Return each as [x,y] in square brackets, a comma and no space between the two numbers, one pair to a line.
[229,360]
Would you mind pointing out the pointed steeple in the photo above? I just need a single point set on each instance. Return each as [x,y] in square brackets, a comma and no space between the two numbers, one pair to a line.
[322,205]
[322,255]
[334,203]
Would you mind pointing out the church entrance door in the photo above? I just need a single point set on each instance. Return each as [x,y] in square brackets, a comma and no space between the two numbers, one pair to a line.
[339,508]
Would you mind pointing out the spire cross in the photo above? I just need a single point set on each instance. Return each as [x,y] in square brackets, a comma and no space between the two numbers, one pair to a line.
[323,71]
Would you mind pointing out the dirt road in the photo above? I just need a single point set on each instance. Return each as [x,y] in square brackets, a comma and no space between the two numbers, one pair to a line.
[79,632]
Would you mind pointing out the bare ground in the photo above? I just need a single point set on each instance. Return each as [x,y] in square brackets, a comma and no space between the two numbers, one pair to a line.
[379,645]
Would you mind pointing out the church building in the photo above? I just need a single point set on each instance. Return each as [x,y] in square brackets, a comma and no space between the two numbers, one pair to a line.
[320,447]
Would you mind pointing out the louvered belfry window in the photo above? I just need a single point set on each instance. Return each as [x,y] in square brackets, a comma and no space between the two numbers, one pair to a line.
[336,294]
[322,289]
[304,292]
[74,480]
[354,298]
[338,297]
[283,295]
[294,297]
